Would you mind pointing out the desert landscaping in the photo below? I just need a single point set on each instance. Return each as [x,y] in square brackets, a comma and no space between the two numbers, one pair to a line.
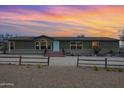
[61,73]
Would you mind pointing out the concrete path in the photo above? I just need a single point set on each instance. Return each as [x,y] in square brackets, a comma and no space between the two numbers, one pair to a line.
[63,61]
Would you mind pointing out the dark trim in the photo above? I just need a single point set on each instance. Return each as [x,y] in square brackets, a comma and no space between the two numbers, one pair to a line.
[43,36]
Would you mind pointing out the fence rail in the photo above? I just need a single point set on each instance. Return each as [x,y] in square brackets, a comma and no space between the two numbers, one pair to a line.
[103,62]
[19,59]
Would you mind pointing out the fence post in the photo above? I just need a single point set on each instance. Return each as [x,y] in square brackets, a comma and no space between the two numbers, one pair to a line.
[105,63]
[20,59]
[48,60]
[77,60]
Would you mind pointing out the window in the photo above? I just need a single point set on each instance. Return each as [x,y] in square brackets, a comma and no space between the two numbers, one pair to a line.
[49,45]
[95,44]
[76,45]
[12,45]
[79,45]
[43,44]
[37,45]
[73,45]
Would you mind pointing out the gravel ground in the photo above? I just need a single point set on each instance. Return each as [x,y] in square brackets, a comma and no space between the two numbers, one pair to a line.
[58,77]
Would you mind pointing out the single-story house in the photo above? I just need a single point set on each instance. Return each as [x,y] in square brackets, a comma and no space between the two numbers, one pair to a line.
[37,44]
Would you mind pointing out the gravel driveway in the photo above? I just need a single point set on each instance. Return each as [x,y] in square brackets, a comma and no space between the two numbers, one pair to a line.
[58,76]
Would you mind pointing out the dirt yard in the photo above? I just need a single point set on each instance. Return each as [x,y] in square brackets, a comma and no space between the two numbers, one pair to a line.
[58,77]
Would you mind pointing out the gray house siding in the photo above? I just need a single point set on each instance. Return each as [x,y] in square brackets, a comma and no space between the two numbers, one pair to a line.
[87,44]
[24,45]
[101,44]
[64,45]
[109,44]
[28,44]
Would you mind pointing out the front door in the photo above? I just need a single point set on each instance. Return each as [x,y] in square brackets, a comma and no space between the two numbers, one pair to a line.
[56,46]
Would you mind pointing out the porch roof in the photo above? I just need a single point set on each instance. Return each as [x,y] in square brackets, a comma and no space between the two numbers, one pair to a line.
[21,38]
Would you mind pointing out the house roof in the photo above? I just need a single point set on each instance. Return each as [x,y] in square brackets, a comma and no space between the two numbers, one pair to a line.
[28,37]
[84,38]
[43,36]
[63,38]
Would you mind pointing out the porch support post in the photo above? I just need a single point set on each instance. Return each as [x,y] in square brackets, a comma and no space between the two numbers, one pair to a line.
[9,45]
[46,44]
[39,45]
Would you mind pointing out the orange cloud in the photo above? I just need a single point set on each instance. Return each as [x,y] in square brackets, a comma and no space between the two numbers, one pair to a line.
[94,21]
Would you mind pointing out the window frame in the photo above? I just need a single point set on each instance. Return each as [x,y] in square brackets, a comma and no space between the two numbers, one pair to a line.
[36,45]
[43,43]
[76,44]
[95,44]
[12,43]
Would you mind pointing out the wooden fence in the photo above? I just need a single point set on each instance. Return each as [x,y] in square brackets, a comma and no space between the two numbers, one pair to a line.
[103,62]
[19,59]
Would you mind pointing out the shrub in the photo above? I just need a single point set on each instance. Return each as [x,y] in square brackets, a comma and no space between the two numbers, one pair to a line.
[39,66]
[120,70]
[95,68]
[114,70]
[27,66]
[10,64]
[108,69]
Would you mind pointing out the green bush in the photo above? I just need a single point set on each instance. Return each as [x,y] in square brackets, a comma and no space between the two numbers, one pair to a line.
[27,66]
[108,69]
[95,68]
[39,66]
[10,64]
[119,70]
[114,70]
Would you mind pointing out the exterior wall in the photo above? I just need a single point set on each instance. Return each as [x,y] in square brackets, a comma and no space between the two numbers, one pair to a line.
[64,45]
[24,45]
[87,44]
[29,46]
[26,51]
[109,44]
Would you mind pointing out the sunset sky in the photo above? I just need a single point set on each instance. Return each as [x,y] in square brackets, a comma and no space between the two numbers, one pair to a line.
[62,20]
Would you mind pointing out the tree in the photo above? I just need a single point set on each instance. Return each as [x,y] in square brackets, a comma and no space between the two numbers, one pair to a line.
[122,34]
[3,48]
[80,36]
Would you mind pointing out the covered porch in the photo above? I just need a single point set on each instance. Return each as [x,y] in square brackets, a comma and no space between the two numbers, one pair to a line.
[34,46]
